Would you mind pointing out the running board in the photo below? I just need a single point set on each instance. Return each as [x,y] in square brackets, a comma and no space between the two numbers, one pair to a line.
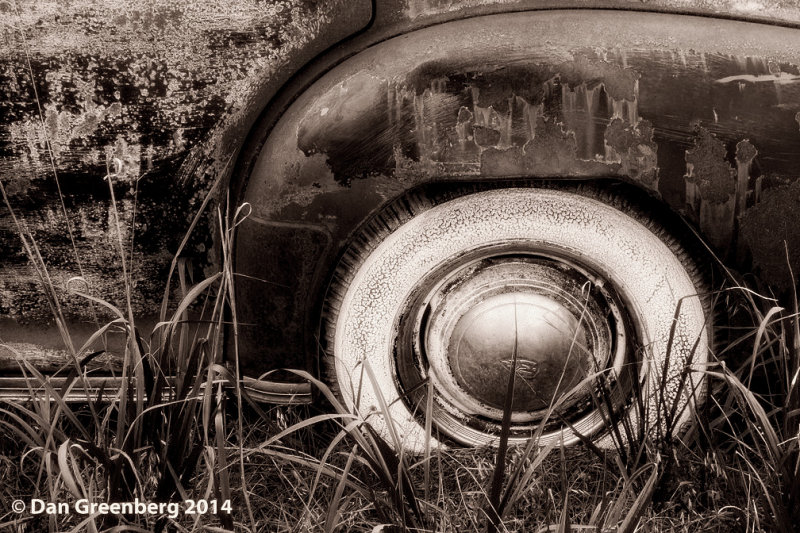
[21,389]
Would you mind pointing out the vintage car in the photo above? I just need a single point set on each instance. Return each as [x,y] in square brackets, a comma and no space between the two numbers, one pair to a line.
[439,192]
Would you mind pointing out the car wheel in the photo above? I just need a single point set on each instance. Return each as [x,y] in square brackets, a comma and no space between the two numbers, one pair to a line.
[594,307]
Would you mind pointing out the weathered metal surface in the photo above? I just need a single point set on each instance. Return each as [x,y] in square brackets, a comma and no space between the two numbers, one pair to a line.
[164,94]
[475,107]
[773,10]
[699,112]
[160,94]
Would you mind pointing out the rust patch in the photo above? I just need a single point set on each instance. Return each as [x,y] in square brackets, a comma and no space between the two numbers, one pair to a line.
[135,92]
[463,119]
[306,178]
[486,137]
[711,189]
[716,193]
[552,152]
[620,83]
[632,146]
[708,172]
[770,226]
[745,154]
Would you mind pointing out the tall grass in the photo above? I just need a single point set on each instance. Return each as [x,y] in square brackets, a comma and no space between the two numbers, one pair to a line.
[166,422]
[760,410]
[181,426]
[735,469]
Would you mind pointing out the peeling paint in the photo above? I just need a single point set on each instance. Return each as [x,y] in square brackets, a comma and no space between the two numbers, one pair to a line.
[631,144]
[552,94]
[552,152]
[619,82]
[710,189]
[448,119]
[132,91]
[463,116]
[709,176]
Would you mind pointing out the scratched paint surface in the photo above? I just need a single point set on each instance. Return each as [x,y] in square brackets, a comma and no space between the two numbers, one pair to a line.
[604,113]
[707,127]
[136,87]
[776,9]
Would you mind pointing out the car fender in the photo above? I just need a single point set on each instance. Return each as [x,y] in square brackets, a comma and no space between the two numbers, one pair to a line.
[699,113]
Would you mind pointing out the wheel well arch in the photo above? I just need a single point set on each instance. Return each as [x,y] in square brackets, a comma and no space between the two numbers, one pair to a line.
[472,101]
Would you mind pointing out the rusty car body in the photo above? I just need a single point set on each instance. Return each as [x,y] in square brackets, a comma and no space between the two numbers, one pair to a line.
[321,114]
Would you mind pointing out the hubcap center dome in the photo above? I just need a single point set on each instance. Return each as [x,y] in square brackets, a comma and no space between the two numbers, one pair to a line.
[543,309]
[550,344]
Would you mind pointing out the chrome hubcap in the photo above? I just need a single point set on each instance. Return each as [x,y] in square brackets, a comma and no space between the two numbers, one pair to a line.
[470,324]
[549,343]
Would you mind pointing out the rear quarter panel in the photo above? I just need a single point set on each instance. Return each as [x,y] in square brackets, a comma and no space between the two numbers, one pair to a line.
[700,113]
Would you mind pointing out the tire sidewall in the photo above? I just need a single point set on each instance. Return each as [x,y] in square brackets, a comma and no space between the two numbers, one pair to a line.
[651,279]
